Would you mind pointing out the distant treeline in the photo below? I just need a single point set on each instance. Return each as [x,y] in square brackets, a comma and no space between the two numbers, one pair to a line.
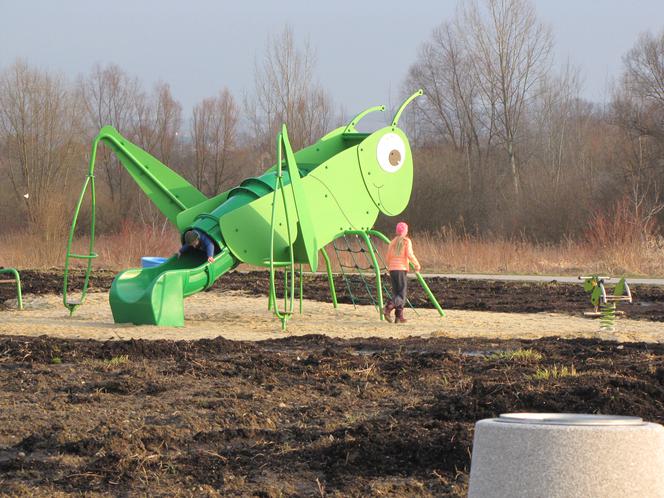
[503,143]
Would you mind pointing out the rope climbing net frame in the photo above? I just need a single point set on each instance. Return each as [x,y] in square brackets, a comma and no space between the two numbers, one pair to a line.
[365,257]
[361,272]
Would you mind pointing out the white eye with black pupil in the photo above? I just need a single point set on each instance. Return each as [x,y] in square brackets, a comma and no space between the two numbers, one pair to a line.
[391,152]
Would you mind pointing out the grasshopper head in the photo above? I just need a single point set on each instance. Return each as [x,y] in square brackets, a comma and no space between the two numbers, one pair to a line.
[387,165]
[387,169]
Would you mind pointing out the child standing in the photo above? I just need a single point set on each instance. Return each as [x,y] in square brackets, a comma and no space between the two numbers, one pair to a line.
[399,254]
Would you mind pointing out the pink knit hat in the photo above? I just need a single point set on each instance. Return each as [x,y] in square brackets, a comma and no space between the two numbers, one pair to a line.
[402,229]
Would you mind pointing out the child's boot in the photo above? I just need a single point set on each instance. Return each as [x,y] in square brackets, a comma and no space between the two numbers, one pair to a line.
[399,318]
[387,311]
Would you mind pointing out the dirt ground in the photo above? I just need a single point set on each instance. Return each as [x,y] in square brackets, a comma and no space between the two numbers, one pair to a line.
[509,297]
[237,316]
[302,413]
[300,416]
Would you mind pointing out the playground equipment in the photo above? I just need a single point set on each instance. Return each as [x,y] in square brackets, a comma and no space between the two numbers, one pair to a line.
[16,280]
[605,305]
[281,219]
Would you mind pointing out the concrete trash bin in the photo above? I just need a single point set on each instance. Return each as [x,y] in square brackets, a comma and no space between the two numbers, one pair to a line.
[556,455]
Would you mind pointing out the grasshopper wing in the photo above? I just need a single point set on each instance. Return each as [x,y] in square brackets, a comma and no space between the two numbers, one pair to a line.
[306,240]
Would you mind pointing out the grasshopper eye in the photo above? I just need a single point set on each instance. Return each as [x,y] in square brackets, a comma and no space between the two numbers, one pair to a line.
[390,152]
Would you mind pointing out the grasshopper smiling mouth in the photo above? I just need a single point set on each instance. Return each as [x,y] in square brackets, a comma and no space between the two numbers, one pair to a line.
[382,205]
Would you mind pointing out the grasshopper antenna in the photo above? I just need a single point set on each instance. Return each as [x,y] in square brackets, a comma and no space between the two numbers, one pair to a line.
[395,120]
[350,128]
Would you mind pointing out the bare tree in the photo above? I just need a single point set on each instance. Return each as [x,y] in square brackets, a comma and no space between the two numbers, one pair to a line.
[113,98]
[157,126]
[638,110]
[644,69]
[201,125]
[158,120]
[452,110]
[510,50]
[553,117]
[214,128]
[286,91]
[481,73]
[564,141]
[40,122]
[110,97]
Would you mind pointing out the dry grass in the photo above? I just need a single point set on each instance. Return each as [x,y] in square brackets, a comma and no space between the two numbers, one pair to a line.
[115,251]
[444,252]
[450,252]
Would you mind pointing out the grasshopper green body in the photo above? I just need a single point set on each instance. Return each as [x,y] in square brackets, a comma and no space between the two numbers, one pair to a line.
[284,217]
[345,180]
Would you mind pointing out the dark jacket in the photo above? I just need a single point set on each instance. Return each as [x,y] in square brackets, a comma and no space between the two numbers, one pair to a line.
[206,245]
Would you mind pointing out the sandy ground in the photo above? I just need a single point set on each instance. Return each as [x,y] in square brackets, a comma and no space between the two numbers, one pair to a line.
[239,317]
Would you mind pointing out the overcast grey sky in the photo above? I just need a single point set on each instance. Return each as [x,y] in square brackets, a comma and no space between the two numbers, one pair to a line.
[364,47]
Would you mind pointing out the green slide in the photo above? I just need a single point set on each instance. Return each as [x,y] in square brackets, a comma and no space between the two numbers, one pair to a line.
[156,295]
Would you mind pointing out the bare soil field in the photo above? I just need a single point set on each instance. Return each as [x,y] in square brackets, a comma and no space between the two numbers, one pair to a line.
[301,415]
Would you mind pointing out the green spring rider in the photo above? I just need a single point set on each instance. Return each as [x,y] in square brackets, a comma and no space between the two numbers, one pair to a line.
[605,305]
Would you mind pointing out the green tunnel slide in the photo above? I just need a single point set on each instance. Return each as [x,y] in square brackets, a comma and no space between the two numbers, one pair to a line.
[156,295]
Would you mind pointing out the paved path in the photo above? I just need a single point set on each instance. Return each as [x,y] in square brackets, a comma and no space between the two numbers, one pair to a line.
[539,278]
[519,278]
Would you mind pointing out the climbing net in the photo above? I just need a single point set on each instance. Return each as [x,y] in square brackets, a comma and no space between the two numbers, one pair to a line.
[354,258]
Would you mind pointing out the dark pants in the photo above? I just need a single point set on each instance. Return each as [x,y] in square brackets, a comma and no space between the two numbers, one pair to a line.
[399,280]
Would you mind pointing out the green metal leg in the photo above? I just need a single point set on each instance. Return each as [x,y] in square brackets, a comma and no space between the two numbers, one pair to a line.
[288,299]
[273,292]
[301,288]
[419,277]
[19,292]
[285,290]
[429,294]
[70,304]
[330,277]
[17,279]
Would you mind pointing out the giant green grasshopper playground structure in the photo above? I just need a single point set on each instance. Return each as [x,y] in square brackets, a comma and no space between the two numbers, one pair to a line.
[281,219]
